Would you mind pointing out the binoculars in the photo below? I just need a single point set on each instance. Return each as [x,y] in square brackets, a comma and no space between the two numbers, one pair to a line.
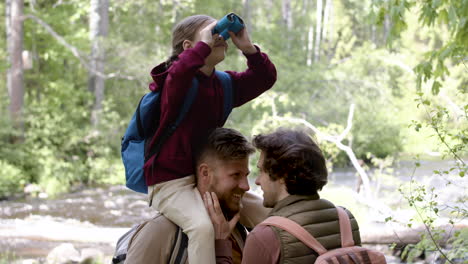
[230,22]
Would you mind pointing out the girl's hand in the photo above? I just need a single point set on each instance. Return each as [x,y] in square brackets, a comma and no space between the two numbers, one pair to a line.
[242,41]
[222,227]
[206,35]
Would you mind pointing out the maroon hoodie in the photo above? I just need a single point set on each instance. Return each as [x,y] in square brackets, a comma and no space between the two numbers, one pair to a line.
[175,159]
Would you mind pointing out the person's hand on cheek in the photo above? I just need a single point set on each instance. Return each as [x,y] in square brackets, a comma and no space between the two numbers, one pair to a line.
[221,226]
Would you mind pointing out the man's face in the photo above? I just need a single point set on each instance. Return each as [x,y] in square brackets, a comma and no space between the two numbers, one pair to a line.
[229,181]
[271,189]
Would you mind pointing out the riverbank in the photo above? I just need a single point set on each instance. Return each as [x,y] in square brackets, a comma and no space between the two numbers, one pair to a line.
[95,218]
[35,237]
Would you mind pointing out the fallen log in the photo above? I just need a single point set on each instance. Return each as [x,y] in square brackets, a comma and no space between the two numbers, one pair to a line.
[382,233]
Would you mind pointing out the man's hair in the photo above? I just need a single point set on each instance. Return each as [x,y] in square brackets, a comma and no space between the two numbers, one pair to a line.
[292,155]
[223,144]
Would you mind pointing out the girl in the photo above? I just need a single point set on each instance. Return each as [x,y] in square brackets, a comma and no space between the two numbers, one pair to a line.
[170,176]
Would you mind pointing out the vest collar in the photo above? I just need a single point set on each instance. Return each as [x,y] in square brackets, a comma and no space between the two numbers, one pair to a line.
[290,200]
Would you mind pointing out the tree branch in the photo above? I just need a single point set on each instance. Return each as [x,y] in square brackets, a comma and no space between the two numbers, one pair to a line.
[349,124]
[76,52]
[337,141]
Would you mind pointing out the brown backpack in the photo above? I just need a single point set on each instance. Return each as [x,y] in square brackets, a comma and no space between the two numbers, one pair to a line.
[348,253]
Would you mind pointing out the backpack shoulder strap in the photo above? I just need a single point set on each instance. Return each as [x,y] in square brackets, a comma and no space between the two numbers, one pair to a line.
[226,82]
[345,228]
[138,119]
[296,230]
[168,131]
[179,248]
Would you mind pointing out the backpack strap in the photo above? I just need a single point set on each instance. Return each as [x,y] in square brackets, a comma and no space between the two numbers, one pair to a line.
[138,119]
[168,131]
[345,228]
[296,230]
[179,248]
[226,82]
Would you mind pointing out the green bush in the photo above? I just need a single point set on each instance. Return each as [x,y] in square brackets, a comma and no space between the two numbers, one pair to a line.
[12,179]
[376,133]
[59,148]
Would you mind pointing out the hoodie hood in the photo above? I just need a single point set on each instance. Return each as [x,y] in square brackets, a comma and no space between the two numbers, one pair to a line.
[158,74]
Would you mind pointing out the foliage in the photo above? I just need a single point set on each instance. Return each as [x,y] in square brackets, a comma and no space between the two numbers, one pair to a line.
[451,14]
[459,243]
[439,220]
[11,178]
[7,257]
[449,126]
[61,149]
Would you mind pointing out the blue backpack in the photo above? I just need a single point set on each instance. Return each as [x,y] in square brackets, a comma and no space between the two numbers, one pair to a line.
[144,124]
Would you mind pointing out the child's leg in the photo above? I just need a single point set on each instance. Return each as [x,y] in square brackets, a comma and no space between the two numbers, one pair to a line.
[181,202]
[253,212]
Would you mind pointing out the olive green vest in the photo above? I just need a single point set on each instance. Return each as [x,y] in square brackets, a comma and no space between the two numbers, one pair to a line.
[319,217]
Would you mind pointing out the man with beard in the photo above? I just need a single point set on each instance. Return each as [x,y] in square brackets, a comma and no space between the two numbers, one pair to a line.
[222,167]
[292,170]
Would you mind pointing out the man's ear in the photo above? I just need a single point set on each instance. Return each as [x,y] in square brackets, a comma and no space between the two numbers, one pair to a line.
[282,183]
[204,173]
[187,44]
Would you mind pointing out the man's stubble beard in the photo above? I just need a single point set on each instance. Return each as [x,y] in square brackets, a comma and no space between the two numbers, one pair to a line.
[227,210]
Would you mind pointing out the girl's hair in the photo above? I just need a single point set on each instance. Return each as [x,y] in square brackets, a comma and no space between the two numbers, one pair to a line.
[183,30]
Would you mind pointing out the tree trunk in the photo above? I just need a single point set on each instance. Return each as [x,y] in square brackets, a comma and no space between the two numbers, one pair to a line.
[310,45]
[246,15]
[327,29]
[287,18]
[318,30]
[331,30]
[15,72]
[326,18]
[373,39]
[387,28]
[305,6]
[269,5]
[176,11]
[98,25]
[8,41]
[304,37]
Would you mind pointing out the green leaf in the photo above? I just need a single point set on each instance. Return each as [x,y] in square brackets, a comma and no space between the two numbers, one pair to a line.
[443,16]
[436,87]
[445,52]
[452,15]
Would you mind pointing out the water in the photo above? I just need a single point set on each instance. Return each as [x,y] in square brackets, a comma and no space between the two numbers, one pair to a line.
[114,206]
[91,218]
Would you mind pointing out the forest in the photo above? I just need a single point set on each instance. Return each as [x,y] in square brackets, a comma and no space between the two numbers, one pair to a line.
[377,83]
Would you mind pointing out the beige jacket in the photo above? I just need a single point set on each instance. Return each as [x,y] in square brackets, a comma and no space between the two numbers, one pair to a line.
[153,243]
